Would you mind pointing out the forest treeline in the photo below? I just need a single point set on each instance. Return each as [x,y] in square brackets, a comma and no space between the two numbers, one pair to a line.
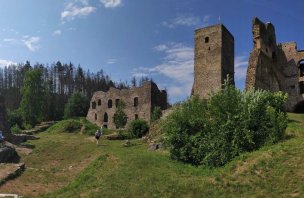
[60,80]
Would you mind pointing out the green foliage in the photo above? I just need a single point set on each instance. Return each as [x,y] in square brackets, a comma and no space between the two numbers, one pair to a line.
[15,118]
[76,106]
[138,128]
[74,125]
[156,114]
[16,129]
[33,97]
[120,118]
[231,122]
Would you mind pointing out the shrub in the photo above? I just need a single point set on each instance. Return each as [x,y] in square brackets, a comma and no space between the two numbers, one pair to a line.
[138,128]
[76,106]
[231,122]
[120,118]
[156,114]
[15,118]
[66,126]
[16,129]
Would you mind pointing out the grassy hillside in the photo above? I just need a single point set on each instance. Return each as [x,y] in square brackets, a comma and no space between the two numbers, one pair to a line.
[118,171]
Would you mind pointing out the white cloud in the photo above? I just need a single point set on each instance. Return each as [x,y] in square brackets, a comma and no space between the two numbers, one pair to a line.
[10,40]
[187,20]
[240,65]
[111,3]
[177,65]
[76,9]
[111,61]
[57,33]
[6,62]
[31,42]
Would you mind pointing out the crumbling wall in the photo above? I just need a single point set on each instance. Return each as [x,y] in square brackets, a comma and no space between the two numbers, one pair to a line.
[272,66]
[139,103]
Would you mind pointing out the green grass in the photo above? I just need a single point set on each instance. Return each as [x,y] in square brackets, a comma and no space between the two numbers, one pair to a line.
[118,171]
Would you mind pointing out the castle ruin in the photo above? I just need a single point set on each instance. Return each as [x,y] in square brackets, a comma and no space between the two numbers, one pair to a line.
[276,67]
[213,59]
[139,104]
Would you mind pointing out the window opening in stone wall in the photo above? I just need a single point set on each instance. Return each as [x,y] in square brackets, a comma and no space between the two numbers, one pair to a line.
[301,67]
[117,102]
[109,103]
[95,116]
[273,56]
[207,39]
[105,117]
[136,116]
[301,87]
[135,101]
[99,102]
[105,126]
[93,105]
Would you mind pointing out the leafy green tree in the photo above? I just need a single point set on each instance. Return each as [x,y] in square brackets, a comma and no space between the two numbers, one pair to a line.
[138,128]
[77,106]
[33,97]
[156,114]
[120,118]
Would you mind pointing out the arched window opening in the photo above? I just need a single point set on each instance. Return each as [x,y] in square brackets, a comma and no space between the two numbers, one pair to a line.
[207,39]
[99,102]
[105,126]
[95,116]
[301,87]
[93,105]
[135,101]
[105,117]
[109,103]
[301,67]
[116,102]
[299,108]
[136,116]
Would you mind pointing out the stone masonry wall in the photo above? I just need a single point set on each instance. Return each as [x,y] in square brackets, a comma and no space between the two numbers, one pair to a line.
[274,67]
[139,102]
[213,59]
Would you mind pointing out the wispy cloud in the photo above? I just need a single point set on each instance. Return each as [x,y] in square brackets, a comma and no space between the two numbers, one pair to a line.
[10,40]
[240,65]
[111,3]
[111,61]
[31,42]
[177,65]
[76,9]
[6,62]
[57,33]
[187,20]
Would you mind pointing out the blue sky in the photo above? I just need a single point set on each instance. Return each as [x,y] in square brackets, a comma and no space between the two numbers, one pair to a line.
[129,38]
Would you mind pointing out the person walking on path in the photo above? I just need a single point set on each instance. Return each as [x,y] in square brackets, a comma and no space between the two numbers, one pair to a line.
[97,136]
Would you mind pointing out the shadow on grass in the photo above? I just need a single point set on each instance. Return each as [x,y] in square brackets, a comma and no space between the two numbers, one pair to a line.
[293,121]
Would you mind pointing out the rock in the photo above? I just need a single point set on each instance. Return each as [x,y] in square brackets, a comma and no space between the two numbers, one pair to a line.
[10,171]
[19,138]
[8,155]
[154,146]
[127,143]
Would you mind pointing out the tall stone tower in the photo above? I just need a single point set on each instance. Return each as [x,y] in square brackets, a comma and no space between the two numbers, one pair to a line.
[213,59]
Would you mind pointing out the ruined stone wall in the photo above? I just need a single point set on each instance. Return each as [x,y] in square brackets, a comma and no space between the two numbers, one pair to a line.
[213,59]
[274,67]
[138,104]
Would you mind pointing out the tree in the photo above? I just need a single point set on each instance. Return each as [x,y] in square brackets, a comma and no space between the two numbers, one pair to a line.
[76,106]
[33,100]
[156,114]
[120,118]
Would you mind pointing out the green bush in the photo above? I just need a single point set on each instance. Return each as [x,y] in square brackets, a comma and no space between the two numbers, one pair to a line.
[212,132]
[120,118]
[156,114]
[16,129]
[66,126]
[15,118]
[138,128]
